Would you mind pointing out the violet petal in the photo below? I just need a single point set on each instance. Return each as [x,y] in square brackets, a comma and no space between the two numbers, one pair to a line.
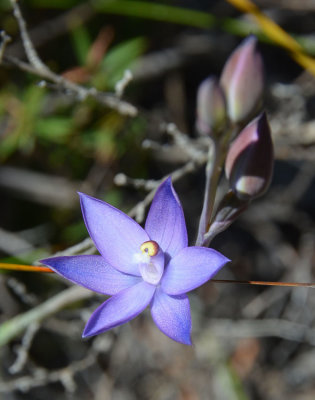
[119,309]
[92,272]
[116,236]
[192,267]
[172,316]
[165,222]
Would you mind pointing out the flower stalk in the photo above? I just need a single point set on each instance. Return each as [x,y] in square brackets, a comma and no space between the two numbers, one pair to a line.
[217,154]
[222,110]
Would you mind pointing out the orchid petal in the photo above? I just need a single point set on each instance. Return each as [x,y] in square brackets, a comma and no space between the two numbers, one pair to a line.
[190,268]
[165,222]
[172,316]
[119,309]
[116,236]
[92,272]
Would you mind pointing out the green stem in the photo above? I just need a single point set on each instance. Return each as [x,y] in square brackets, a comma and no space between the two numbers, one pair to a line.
[217,155]
[213,172]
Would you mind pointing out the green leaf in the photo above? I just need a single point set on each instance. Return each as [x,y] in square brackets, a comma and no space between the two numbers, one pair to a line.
[28,257]
[63,4]
[55,129]
[120,58]
[5,5]
[155,11]
[81,43]
[24,114]
[33,99]
[74,232]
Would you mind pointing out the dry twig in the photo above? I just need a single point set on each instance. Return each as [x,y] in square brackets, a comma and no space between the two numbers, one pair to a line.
[37,67]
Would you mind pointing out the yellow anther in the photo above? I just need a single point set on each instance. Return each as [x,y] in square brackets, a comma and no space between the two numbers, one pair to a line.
[151,248]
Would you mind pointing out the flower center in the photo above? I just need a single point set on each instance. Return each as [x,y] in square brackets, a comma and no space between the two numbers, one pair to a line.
[151,248]
[151,262]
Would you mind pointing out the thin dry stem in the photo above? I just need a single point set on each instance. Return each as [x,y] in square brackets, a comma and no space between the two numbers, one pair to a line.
[37,67]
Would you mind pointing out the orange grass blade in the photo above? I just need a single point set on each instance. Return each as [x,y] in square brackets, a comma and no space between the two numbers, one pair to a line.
[37,268]
[267,283]
[276,33]
[19,267]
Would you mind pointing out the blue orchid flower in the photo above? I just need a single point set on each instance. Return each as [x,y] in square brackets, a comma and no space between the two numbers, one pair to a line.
[140,267]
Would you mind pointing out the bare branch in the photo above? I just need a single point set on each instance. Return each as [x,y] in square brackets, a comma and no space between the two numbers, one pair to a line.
[280,328]
[5,39]
[22,350]
[123,83]
[138,210]
[37,67]
[12,328]
[42,377]
[28,45]
[145,184]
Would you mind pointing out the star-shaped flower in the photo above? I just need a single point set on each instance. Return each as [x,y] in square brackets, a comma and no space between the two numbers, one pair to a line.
[140,267]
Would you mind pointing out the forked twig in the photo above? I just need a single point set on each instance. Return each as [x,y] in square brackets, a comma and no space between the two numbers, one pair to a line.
[39,68]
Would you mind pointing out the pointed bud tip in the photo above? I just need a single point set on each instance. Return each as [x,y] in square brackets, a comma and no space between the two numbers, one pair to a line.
[243,79]
[250,40]
[249,162]
[211,107]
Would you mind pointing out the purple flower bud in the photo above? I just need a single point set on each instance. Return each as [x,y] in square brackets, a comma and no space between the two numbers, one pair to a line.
[249,162]
[211,107]
[242,80]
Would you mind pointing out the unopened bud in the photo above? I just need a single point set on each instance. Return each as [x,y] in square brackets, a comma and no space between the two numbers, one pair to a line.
[242,80]
[211,107]
[249,162]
